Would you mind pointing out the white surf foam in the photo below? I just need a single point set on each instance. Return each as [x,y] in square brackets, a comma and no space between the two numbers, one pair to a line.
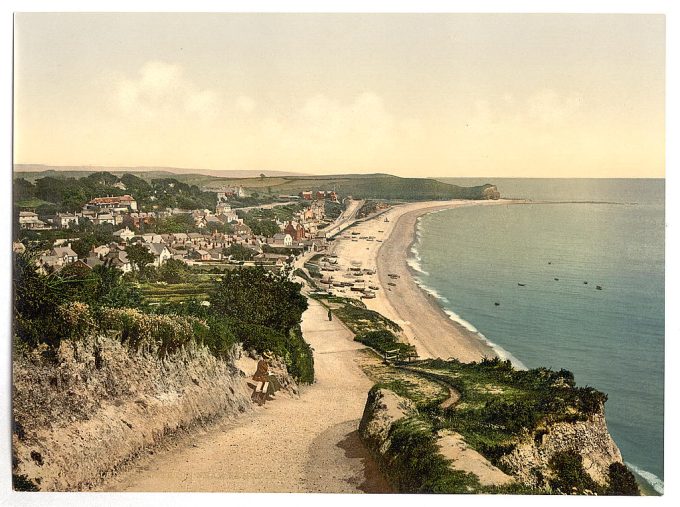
[654,481]
[414,260]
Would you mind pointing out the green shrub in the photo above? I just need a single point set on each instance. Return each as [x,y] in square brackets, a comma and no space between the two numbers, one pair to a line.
[569,474]
[382,341]
[415,465]
[622,481]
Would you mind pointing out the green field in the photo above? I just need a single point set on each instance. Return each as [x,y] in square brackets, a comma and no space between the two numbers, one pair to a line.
[32,203]
[197,286]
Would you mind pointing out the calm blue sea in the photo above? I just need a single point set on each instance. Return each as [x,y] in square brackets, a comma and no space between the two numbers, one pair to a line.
[612,339]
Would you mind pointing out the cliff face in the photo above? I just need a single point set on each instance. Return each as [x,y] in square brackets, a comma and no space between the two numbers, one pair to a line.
[527,466]
[590,439]
[383,408]
[82,414]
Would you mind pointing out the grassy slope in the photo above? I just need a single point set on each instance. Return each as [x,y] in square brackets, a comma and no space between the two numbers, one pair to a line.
[376,186]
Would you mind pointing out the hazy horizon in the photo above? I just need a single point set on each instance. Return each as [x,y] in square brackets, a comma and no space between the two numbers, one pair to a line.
[504,95]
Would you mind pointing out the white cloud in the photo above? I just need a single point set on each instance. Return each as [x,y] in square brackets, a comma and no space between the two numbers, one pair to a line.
[161,91]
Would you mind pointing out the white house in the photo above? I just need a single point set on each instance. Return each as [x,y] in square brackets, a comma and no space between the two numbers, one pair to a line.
[101,250]
[124,234]
[160,253]
[281,239]
[65,219]
[64,254]
[30,220]
[104,218]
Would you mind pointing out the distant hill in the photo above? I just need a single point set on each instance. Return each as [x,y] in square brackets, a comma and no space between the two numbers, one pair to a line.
[365,186]
[32,172]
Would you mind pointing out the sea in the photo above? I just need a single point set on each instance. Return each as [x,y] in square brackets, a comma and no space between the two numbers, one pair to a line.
[526,277]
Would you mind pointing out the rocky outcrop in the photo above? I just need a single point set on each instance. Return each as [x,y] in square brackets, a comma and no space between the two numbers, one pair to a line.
[383,408]
[490,192]
[96,405]
[528,465]
[589,438]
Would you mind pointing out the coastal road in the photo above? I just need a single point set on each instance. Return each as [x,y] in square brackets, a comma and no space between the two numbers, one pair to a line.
[266,206]
[345,220]
[300,445]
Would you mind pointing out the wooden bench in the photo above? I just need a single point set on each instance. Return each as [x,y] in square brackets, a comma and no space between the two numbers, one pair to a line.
[391,355]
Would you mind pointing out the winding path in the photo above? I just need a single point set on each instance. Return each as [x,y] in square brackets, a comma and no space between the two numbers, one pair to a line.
[308,444]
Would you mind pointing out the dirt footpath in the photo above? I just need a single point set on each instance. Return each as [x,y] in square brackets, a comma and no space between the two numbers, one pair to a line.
[308,444]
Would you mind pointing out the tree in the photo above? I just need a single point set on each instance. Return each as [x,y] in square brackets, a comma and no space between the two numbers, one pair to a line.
[36,302]
[255,296]
[263,227]
[238,252]
[139,257]
[262,176]
[23,189]
[173,271]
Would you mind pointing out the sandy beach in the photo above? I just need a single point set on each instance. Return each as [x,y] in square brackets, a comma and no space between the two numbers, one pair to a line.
[384,247]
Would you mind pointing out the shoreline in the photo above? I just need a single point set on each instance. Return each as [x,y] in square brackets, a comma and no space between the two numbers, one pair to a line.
[424,322]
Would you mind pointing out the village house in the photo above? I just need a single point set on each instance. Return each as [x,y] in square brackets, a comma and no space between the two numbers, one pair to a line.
[64,254]
[30,220]
[124,234]
[63,220]
[101,250]
[242,229]
[122,203]
[160,253]
[282,240]
[230,192]
[296,231]
[180,237]
[306,195]
[152,238]
[224,210]
[276,259]
[104,218]
[203,255]
[141,218]
[119,259]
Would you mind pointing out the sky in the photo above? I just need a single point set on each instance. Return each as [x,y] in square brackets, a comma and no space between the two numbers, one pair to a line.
[441,95]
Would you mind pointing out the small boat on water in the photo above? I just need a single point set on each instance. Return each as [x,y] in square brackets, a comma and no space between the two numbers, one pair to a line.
[521,284]
[598,287]
[557,279]
[497,303]
[585,283]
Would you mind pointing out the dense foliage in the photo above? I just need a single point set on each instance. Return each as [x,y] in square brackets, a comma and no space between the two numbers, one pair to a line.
[256,296]
[622,481]
[238,252]
[39,299]
[260,309]
[265,227]
[71,194]
[383,341]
